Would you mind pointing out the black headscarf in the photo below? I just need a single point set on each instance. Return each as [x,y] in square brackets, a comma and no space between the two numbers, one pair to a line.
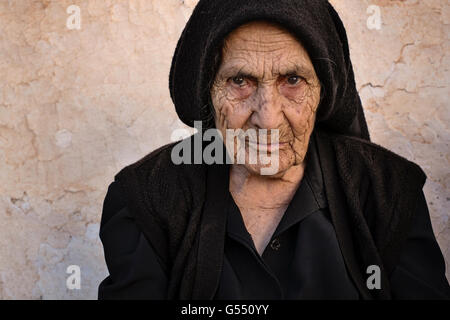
[314,22]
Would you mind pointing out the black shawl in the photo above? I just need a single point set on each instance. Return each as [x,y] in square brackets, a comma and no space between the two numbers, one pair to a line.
[372,192]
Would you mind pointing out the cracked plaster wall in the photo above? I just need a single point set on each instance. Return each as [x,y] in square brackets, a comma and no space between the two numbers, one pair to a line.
[78,105]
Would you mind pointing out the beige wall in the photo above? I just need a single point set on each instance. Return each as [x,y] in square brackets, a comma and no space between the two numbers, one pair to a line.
[78,105]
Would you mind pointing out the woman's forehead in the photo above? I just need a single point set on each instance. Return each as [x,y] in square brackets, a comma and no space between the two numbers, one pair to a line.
[262,37]
[262,33]
[263,42]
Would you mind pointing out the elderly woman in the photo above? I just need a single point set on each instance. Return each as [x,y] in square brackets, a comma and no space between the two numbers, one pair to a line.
[338,218]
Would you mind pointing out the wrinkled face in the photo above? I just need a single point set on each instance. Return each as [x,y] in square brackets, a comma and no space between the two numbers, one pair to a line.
[266,80]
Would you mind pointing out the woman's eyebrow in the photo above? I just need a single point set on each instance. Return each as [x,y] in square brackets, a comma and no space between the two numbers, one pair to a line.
[297,69]
[233,71]
[292,69]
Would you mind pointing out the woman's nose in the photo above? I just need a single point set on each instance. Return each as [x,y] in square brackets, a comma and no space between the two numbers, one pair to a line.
[267,108]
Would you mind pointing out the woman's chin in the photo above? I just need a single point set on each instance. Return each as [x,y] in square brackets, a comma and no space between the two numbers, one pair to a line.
[273,169]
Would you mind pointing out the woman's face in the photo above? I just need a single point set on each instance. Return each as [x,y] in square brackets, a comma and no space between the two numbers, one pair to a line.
[266,80]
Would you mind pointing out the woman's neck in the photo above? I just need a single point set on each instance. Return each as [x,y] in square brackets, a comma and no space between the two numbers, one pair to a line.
[264,192]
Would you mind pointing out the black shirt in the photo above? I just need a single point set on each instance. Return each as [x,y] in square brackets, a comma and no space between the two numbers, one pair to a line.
[302,260]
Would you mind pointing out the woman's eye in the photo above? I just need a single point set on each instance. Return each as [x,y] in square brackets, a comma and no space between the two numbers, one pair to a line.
[239,81]
[293,80]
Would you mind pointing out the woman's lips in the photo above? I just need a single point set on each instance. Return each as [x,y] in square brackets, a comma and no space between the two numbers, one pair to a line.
[268,147]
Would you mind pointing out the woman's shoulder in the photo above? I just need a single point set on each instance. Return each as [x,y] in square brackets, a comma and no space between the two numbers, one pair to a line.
[154,188]
[373,159]
[113,203]
[148,195]
[380,184]
[159,167]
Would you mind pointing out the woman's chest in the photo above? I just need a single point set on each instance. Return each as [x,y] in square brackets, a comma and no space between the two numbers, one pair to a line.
[261,223]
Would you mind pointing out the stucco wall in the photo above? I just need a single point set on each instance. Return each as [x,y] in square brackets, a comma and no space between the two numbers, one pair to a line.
[78,104]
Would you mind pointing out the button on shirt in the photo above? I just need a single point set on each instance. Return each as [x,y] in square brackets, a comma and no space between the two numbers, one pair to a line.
[302,260]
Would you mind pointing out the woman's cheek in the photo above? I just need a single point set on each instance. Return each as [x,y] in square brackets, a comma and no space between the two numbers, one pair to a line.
[240,94]
[300,112]
[294,94]
[237,115]
[236,111]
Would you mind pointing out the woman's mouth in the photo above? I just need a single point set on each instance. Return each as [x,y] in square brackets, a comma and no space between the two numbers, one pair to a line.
[266,147]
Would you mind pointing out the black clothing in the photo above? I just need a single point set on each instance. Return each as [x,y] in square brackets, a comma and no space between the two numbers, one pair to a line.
[375,199]
[303,259]
[135,270]
[318,271]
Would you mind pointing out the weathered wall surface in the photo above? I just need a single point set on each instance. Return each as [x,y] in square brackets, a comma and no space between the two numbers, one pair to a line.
[76,105]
